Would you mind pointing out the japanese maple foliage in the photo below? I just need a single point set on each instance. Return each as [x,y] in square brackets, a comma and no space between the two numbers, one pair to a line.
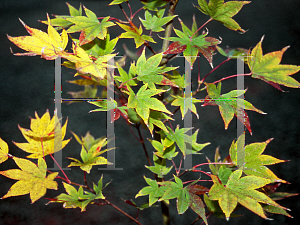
[240,179]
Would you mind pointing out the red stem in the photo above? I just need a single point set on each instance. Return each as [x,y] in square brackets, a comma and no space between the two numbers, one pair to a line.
[201,172]
[201,27]
[212,163]
[129,9]
[215,69]
[236,75]
[136,12]
[67,179]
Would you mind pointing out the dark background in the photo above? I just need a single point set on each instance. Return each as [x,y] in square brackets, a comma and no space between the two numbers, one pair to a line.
[27,86]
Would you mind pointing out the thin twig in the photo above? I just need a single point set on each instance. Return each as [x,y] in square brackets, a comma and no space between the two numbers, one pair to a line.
[120,210]
[143,143]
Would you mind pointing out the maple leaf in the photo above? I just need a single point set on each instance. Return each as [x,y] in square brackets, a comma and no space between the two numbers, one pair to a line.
[111,106]
[117,2]
[155,118]
[42,136]
[191,44]
[159,167]
[89,26]
[154,4]
[90,154]
[150,72]
[31,179]
[143,102]
[49,46]
[164,151]
[127,77]
[254,160]
[99,47]
[267,68]
[155,22]
[183,139]
[222,12]
[153,190]
[3,151]
[230,105]
[87,65]
[80,198]
[241,190]
[185,104]
[61,21]
[135,33]
[176,190]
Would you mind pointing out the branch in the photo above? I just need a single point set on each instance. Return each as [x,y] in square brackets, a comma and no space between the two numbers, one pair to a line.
[120,210]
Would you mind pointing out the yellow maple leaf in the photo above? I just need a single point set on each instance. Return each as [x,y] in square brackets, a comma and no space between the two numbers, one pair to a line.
[49,46]
[3,151]
[45,137]
[86,64]
[32,179]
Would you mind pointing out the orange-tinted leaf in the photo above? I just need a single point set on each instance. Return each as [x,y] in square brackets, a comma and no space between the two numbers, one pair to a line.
[32,179]
[49,46]
[267,68]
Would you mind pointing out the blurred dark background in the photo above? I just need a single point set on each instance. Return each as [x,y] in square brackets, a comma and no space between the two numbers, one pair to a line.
[27,86]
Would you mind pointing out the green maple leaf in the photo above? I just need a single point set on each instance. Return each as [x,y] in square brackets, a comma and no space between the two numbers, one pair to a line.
[61,21]
[99,47]
[241,190]
[150,72]
[135,33]
[117,2]
[80,198]
[91,157]
[85,64]
[154,4]
[254,160]
[163,151]
[176,190]
[182,139]
[222,12]
[159,167]
[124,76]
[267,68]
[89,26]
[143,102]
[230,105]
[185,104]
[153,190]
[155,118]
[156,21]
[191,45]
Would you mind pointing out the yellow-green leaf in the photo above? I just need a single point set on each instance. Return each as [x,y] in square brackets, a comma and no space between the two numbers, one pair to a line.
[3,151]
[32,179]
[267,68]
[49,46]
